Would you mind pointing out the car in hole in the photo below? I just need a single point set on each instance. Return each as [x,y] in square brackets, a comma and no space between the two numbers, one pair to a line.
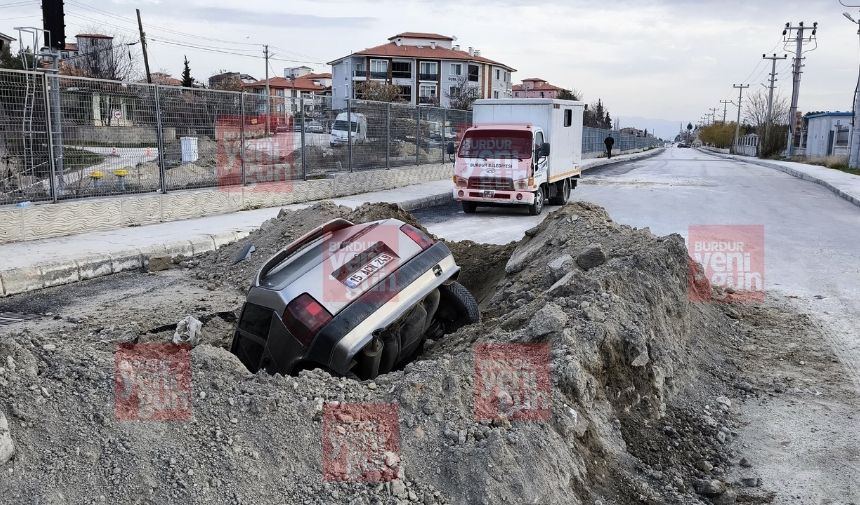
[357,300]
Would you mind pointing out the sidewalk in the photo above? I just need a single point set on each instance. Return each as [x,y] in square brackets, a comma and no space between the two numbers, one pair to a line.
[38,264]
[843,185]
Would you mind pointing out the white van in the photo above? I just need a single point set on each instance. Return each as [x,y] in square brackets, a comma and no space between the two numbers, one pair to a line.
[505,158]
[339,134]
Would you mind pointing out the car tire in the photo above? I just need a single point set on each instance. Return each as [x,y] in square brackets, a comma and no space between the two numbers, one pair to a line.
[537,207]
[469,207]
[462,307]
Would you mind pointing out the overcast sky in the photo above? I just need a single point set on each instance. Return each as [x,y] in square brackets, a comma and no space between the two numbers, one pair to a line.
[658,59]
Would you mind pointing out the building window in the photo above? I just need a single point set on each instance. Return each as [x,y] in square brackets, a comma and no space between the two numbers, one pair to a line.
[454,91]
[427,94]
[428,71]
[401,69]
[457,69]
[541,94]
[405,93]
[495,94]
[568,117]
[379,69]
[473,73]
[498,74]
[841,136]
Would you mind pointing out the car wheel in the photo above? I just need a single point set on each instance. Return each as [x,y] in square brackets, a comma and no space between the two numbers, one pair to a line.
[566,191]
[457,307]
[469,207]
[562,192]
[537,207]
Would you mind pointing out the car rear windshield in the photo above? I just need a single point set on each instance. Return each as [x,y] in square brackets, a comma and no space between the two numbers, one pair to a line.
[496,144]
[340,124]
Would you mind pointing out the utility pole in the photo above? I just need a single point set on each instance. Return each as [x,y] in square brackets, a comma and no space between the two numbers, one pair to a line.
[740,88]
[268,98]
[725,108]
[773,79]
[799,40]
[143,46]
[713,114]
[854,155]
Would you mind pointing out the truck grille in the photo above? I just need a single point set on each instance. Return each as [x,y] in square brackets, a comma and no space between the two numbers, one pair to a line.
[496,183]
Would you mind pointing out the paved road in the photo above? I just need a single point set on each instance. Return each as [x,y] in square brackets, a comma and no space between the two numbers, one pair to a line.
[812,243]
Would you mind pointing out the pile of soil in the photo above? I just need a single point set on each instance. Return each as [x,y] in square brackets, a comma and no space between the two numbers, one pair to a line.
[596,316]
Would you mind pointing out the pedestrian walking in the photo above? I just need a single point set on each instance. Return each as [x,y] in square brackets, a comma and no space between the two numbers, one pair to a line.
[609,142]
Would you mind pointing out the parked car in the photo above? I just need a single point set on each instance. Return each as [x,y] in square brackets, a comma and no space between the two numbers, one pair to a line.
[354,299]
[683,145]
[339,131]
[313,126]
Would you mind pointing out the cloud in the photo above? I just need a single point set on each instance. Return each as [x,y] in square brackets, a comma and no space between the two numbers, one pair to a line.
[277,18]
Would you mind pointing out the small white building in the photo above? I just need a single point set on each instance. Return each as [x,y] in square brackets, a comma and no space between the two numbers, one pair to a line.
[827,134]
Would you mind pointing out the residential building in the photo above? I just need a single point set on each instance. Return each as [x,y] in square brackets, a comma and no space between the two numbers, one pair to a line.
[635,132]
[827,134]
[426,67]
[164,79]
[311,86]
[535,87]
[92,54]
[5,42]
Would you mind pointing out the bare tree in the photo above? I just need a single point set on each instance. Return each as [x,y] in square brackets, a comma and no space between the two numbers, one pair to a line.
[755,111]
[104,58]
[462,94]
[378,91]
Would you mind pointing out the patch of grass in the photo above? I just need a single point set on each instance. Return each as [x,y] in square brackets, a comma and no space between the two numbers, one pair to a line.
[835,162]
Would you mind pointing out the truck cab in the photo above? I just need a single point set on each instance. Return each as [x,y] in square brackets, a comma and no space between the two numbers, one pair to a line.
[519,152]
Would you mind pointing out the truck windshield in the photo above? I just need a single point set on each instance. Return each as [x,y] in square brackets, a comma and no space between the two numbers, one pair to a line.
[341,125]
[496,144]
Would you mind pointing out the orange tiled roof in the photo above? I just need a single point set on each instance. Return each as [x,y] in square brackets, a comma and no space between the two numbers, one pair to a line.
[392,50]
[301,84]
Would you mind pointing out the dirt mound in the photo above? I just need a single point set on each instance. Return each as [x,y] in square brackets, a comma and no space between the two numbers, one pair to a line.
[558,396]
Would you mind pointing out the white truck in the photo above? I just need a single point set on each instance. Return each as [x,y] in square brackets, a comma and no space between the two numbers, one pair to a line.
[519,152]
[339,131]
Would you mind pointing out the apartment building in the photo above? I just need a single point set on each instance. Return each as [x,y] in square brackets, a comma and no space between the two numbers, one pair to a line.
[536,87]
[426,67]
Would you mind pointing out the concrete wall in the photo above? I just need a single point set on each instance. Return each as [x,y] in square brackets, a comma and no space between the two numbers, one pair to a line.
[94,214]
[115,135]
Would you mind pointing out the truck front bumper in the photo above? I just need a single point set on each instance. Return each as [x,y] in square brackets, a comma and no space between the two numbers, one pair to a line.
[494,196]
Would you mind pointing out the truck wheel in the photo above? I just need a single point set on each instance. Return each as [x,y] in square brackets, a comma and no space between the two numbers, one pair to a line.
[457,307]
[562,192]
[537,207]
[469,207]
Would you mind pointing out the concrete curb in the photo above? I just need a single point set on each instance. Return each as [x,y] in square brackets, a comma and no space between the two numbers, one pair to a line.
[21,280]
[854,199]
[632,157]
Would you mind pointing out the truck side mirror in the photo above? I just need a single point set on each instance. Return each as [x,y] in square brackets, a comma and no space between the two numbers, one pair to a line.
[450,148]
[544,149]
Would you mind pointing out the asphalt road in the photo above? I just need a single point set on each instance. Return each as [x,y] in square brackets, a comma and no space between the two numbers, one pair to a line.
[811,242]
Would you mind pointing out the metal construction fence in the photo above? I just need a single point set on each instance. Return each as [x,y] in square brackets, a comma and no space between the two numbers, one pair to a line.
[64,137]
[592,141]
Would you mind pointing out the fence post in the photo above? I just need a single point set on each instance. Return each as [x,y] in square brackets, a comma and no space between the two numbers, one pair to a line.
[160,141]
[242,135]
[417,132]
[349,134]
[49,124]
[387,135]
[444,127]
[302,146]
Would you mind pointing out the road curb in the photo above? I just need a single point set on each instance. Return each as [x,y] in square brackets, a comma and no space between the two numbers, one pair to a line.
[854,199]
[632,157]
[22,280]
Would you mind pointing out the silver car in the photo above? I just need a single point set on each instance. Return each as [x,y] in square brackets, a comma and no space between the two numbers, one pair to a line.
[355,299]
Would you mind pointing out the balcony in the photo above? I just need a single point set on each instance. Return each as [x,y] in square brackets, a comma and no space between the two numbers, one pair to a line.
[428,77]
[401,75]
[379,75]
[359,72]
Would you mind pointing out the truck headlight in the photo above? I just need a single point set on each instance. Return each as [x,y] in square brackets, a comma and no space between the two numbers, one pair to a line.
[461,182]
[521,184]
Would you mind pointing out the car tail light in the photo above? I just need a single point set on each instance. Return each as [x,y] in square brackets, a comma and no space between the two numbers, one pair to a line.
[417,235]
[304,317]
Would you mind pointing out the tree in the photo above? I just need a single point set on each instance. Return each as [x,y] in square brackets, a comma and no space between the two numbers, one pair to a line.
[378,91]
[187,80]
[103,58]
[718,134]
[13,61]
[607,121]
[232,81]
[570,94]
[462,94]
[756,114]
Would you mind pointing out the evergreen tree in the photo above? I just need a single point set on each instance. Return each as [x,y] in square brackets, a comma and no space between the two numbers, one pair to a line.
[187,80]
[607,121]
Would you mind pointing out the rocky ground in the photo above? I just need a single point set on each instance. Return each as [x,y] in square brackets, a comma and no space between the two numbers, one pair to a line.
[593,378]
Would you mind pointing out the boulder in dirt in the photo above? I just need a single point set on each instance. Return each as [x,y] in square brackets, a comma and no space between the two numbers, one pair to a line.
[188,331]
[559,266]
[710,488]
[592,256]
[7,447]
[549,319]
[159,263]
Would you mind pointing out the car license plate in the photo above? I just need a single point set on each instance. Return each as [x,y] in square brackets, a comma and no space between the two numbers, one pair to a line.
[367,270]
[489,194]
